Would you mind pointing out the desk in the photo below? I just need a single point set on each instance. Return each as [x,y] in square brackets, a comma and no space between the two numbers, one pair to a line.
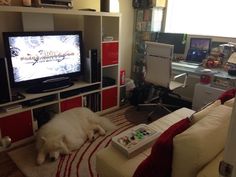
[187,93]
[204,94]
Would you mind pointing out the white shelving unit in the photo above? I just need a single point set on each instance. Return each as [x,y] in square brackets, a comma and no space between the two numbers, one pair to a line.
[22,123]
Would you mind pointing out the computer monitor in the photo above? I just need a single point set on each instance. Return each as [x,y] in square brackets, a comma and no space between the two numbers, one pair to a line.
[198,50]
[200,44]
[176,39]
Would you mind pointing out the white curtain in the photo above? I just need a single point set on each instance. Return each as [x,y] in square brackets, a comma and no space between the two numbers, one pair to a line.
[202,17]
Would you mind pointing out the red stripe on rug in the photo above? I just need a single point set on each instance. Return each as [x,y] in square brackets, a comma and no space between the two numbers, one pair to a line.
[81,157]
[60,166]
[69,172]
[117,120]
[89,160]
[67,164]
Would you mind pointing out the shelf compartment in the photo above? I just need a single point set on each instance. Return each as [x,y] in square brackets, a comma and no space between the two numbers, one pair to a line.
[92,101]
[110,76]
[110,27]
[79,91]
[43,114]
[40,100]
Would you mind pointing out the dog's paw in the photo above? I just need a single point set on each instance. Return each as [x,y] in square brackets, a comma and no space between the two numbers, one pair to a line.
[40,158]
[102,132]
[91,136]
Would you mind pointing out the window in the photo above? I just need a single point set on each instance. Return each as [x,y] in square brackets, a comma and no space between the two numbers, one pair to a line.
[201,17]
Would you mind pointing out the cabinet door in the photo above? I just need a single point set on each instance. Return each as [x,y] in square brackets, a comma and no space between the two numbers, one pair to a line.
[17,126]
[110,53]
[109,98]
[71,103]
[204,94]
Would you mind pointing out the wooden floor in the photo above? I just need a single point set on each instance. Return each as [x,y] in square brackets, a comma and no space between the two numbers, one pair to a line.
[7,167]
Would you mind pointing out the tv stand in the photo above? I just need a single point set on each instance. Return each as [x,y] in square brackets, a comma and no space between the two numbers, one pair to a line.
[33,110]
[48,86]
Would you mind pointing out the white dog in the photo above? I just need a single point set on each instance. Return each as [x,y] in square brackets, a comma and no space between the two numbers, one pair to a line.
[67,131]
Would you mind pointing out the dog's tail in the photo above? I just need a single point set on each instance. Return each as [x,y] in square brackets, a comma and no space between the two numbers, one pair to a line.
[106,124]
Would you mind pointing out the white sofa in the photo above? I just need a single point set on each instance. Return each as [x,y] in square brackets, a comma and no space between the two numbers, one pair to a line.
[196,151]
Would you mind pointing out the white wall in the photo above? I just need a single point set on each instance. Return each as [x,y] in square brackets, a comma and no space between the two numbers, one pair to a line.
[126,37]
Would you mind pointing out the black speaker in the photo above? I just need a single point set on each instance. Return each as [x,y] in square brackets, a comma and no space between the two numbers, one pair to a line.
[92,67]
[5,94]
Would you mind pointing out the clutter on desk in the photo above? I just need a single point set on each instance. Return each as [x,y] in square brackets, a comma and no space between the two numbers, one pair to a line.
[214,60]
[232,64]
[227,50]
[223,82]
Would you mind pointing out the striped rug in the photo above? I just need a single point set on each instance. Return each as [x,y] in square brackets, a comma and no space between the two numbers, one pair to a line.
[80,163]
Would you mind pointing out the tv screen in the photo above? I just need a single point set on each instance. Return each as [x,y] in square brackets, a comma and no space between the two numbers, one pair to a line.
[34,57]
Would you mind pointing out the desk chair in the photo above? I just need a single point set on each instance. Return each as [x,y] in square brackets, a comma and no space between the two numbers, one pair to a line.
[159,74]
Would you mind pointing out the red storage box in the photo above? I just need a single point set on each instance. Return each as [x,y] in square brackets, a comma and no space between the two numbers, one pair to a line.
[110,53]
[17,126]
[71,103]
[109,98]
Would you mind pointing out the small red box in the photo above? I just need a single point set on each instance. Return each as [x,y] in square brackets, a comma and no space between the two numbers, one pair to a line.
[122,77]
[17,126]
[109,98]
[71,103]
[110,53]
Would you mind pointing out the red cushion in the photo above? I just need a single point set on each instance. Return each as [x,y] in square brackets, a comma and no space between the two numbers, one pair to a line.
[158,163]
[227,95]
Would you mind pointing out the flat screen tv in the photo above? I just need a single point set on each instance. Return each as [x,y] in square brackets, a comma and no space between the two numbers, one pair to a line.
[45,60]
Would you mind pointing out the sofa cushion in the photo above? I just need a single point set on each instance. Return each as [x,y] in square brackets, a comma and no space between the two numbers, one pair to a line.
[199,144]
[227,95]
[158,163]
[230,102]
[211,169]
[204,111]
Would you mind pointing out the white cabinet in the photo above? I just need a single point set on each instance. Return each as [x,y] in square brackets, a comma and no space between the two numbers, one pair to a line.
[204,94]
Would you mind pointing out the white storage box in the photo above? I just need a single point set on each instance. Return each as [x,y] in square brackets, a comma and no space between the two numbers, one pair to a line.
[135,140]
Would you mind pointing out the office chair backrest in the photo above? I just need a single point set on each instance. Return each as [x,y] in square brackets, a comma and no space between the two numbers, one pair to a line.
[159,49]
[158,60]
